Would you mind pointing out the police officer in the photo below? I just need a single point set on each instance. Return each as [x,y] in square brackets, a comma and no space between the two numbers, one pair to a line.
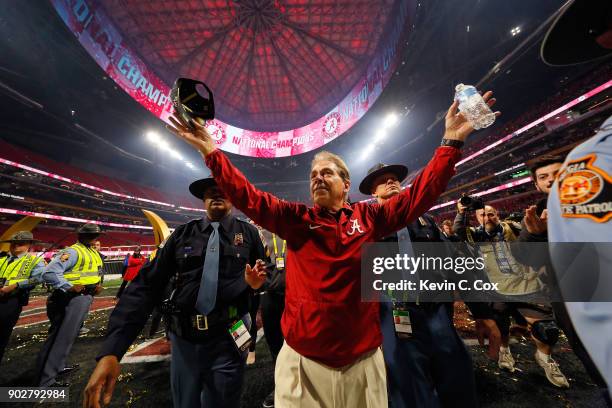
[204,267]
[432,367]
[580,201]
[74,276]
[20,271]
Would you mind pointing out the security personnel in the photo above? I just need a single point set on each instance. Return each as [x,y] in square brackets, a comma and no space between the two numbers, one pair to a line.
[580,202]
[74,275]
[204,270]
[20,271]
[572,217]
[427,364]
[273,301]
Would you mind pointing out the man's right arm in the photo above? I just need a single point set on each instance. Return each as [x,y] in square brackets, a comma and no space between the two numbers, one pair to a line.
[136,303]
[275,215]
[460,225]
[265,209]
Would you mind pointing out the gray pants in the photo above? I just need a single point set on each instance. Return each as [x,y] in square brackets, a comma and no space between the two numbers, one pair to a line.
[207,374]
[66,314]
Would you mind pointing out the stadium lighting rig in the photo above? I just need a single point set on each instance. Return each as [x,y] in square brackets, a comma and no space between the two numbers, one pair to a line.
[516,30]
[175,154]
[156,140]
[366,153]
[380,135]
[153,137]
[163,145]
[389,122]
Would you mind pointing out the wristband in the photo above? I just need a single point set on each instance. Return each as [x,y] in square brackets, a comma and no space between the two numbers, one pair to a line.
[452,143]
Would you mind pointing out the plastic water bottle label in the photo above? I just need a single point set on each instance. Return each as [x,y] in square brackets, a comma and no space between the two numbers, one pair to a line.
[466,93]
[473,106]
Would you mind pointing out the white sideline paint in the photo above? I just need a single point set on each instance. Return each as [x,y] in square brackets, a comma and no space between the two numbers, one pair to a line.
[130,359]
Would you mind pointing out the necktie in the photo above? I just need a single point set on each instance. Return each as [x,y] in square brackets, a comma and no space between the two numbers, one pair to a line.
[207,295]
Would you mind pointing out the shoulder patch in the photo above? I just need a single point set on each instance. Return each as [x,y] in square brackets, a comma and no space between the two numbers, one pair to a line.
[64,256]
[585,191]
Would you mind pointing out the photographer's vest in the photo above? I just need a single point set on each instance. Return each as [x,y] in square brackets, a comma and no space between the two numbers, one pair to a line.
[86,269]
[17,271]
[512,277]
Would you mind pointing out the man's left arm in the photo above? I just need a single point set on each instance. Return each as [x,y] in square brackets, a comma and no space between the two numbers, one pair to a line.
[421,195]
[433,179]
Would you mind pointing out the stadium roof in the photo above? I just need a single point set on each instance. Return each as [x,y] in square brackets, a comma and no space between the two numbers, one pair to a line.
[272,64]
[56,100]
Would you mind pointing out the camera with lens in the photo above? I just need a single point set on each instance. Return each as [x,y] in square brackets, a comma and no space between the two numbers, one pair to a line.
[471,203]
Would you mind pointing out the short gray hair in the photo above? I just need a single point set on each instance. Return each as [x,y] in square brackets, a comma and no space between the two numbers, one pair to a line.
[337,160]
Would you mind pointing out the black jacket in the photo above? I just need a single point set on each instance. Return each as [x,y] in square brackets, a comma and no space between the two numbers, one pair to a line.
[183,256]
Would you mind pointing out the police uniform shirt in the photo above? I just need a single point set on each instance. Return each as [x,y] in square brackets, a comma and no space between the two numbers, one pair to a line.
[581,199]
[62,262]
[35,275]
[184,253]
[423,229]
[580,210]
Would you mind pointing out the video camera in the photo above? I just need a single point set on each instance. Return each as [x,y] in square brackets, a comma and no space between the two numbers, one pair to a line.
[471,203]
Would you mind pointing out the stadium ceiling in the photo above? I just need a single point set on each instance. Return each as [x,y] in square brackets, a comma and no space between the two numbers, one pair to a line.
[75,99]
[272,64]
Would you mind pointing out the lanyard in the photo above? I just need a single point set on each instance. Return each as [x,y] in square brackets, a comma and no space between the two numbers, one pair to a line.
[276,246]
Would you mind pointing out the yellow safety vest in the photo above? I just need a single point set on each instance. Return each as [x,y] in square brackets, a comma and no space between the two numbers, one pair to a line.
[19,270]
[86,269]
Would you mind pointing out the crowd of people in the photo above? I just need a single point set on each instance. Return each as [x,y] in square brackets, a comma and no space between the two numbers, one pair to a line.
[329,347]
[304,263]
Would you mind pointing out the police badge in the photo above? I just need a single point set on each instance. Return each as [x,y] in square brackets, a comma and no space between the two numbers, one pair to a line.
[238,240]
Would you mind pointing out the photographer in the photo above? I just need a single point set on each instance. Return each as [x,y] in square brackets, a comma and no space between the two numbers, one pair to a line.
[515,280]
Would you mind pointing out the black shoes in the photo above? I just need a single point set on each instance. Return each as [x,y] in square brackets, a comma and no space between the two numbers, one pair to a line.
[68,369]
[269,401]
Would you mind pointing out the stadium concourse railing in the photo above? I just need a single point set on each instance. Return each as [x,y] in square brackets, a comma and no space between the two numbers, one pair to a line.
[115,257]
[65,179]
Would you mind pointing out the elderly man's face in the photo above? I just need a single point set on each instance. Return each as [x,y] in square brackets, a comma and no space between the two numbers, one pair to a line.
[327,188]
[386,186]
[18,248]
[215,202]
[488,218]
[545,177]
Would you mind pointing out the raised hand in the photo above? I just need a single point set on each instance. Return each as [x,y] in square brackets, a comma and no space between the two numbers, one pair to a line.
[198,137]
[457,126]
[255,276]
[534,224]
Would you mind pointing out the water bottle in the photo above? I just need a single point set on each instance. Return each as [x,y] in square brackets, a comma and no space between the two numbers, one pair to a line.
[475,109]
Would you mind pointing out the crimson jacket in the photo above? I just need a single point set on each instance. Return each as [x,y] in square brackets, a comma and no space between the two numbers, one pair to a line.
[324,317]
[133,267]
